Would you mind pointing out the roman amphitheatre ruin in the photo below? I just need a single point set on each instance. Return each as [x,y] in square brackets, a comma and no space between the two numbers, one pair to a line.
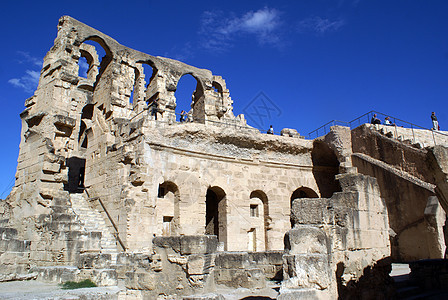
[112,187]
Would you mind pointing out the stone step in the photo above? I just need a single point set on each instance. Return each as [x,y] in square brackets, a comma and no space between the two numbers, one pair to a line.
[94,221]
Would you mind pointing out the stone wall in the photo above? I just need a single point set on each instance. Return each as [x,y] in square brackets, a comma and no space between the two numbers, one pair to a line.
[406,182]
[111,189]
[335,239]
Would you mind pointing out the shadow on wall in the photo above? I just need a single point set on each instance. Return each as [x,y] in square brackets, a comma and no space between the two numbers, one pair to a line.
[375,282]
[325,168]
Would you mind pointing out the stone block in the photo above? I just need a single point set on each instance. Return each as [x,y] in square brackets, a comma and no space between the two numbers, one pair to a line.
[140,280]
[199,264]
[94,261]
[305,239]
[56,274]
[311,271]
[232,260]
[240,278]
[48,167]
[198,244]
[311,211]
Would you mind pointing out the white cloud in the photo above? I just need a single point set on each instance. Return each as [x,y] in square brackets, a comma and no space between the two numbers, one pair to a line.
[27,58]
[219,32]
[27,82]
[319,25]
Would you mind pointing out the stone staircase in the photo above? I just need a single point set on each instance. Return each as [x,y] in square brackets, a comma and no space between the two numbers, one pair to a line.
[94,221]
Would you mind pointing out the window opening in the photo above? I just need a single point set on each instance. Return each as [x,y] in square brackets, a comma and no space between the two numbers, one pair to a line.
[254,210]
[167,225]
[161,193]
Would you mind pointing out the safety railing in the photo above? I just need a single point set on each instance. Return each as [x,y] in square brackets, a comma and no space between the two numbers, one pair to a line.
[367,118]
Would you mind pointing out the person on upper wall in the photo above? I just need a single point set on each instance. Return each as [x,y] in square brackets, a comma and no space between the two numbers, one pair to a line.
[375,120]
[435,123]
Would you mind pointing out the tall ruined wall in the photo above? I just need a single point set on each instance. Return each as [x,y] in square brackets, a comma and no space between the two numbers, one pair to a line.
[406,181]
[142,173]
[336,240]
[72,118]
[109,188]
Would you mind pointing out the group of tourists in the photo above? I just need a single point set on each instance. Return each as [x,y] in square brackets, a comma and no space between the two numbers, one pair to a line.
[375,120]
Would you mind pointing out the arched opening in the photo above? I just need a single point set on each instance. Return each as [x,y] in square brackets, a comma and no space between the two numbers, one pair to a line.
[216,214]
[167,209]
[83,65]
[217,88]
[302,192]
[145,92]
[325,168]
[260,222]
[98,55]
[188,92]
[87,114]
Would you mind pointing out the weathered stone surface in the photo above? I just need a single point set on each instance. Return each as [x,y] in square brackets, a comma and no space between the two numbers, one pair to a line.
[123,191]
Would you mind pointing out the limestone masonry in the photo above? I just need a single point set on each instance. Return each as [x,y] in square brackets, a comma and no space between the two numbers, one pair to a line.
[112,187]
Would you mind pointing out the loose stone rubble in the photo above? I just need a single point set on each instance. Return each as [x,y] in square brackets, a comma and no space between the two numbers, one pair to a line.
[111,190]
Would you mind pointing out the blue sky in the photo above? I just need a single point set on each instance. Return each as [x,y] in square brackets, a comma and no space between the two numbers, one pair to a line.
[309,61]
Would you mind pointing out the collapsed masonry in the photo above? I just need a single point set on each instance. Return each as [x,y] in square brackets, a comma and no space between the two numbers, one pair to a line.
[111,189]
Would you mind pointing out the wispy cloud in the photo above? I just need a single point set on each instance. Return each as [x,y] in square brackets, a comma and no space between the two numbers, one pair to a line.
[320,25]
[182,53]
[26,58]
[219,32]
[27,82]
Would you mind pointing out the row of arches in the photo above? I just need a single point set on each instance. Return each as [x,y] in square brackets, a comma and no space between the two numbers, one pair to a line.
[145,88]
[255,215]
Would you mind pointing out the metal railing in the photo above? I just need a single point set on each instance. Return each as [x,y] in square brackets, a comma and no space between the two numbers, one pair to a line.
[367,118]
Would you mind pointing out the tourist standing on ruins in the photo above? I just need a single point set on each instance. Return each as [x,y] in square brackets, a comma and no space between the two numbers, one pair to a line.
[183,116]
[154,108]
[270,130]
[435,123]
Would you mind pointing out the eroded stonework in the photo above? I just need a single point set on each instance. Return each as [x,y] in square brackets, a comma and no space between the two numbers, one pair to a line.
[112,186]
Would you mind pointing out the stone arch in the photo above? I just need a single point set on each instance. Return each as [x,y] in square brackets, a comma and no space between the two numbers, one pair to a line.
[218,88]
[260,220]
[302,192]
[145,88]
[216,214]
[104,61]
[325,168]
[89,53]
[167,209]
[197,111]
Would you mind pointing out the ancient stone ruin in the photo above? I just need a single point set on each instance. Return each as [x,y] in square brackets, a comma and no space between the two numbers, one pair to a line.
[112,187]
